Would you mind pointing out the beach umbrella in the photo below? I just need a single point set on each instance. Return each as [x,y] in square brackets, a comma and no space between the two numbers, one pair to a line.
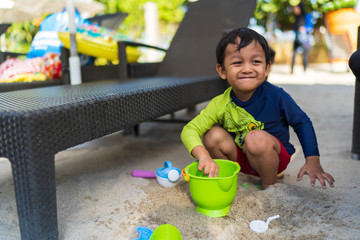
[23,10]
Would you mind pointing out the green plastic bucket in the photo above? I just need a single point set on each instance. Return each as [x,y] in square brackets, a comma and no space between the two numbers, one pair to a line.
[166,232]
[213,195]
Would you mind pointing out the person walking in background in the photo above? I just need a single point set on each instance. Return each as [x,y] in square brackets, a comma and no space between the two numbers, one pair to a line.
[302,41]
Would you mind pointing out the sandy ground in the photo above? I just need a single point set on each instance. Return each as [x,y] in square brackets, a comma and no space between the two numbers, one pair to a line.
[99,199]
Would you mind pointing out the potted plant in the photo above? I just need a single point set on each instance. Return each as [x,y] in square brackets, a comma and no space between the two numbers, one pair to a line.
[342,18]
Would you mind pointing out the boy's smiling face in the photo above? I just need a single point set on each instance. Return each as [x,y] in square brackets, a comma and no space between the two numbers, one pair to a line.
[245,70]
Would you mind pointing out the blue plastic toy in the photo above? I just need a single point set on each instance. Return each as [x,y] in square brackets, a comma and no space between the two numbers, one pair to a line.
[169,172]
[144,232]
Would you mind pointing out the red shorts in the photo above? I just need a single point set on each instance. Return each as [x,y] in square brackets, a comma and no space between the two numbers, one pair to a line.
[284,159]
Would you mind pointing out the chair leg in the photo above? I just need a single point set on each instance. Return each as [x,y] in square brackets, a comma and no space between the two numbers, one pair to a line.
[191,110]
[355,149]
[35,190]
[134,130]
[137,130]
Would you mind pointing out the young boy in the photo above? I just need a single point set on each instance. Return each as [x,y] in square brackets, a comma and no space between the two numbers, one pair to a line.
[249,122]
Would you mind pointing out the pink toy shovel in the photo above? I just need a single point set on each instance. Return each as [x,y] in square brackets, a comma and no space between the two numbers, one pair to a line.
[143,174]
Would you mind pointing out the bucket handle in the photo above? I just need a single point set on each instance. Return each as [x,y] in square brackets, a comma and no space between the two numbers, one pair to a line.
[184,175]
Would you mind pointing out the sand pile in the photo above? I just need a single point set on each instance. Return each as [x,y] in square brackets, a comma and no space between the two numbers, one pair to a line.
[99,199]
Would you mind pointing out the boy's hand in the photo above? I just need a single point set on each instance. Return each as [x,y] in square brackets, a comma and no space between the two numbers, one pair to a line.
[209,167]
[313,168]
[206,163]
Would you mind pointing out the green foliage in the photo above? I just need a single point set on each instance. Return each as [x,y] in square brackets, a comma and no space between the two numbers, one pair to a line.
[281,10]
[20,35]
[171,12]
[328,6]
[170,15]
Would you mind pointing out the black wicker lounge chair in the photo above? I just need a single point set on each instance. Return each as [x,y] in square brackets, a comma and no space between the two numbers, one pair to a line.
[354,66]
[38,123]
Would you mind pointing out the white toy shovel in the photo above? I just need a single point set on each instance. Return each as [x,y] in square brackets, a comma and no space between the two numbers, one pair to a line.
[261,226]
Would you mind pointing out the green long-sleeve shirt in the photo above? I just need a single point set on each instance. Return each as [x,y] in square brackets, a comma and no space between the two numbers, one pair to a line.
[223,111]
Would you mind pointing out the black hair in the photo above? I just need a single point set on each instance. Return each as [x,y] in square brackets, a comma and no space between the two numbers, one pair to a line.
[247,36]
